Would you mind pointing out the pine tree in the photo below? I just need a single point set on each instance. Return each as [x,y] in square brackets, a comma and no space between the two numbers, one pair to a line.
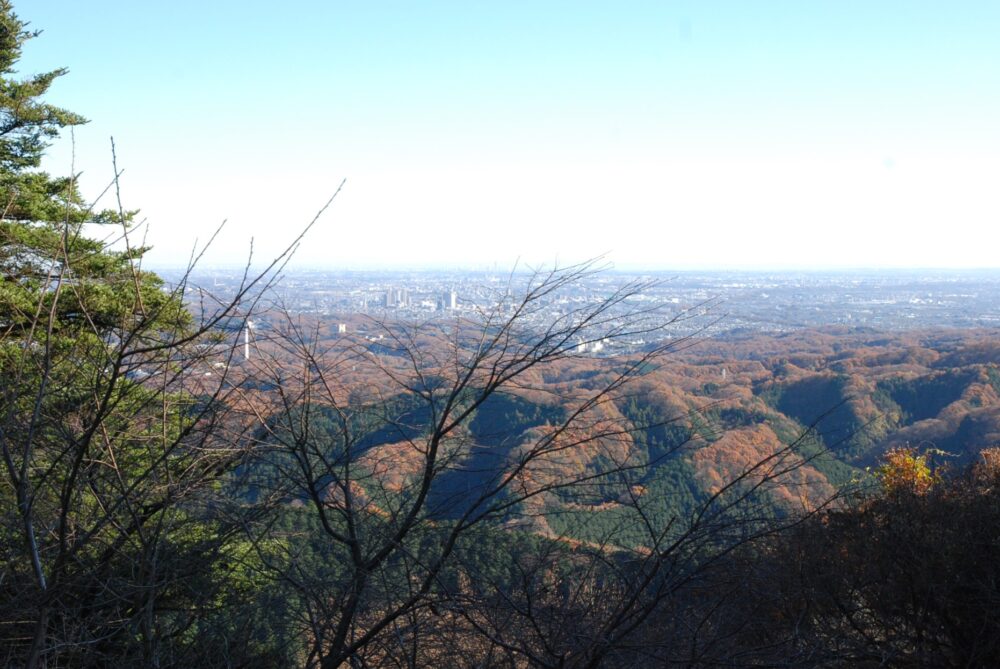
[105,451]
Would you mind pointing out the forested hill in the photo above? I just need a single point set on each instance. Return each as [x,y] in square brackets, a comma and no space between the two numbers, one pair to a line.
[699,419]
[866,392]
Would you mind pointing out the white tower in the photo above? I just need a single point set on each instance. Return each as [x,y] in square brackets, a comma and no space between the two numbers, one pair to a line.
[246,339]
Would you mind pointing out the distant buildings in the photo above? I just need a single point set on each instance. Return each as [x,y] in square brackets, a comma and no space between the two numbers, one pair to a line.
[400,298]
[396,298]
[755,302]
[584,347]
[448,301]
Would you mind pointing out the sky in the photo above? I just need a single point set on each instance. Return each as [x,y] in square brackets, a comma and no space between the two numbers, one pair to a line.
[668,135]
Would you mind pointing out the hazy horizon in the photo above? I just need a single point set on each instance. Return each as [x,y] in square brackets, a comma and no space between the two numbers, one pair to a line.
[613,268]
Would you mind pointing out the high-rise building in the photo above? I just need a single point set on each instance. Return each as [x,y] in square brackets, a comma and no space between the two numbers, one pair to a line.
[448,301]
[397,297]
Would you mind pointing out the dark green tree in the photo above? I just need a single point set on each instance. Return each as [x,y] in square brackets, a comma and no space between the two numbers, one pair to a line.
[26,125]
[111,432]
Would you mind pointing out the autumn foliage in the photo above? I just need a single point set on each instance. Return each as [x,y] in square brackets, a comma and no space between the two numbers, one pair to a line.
[904,471]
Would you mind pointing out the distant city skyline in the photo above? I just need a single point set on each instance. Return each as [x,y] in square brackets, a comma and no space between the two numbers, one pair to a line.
[715,135]
[733,302]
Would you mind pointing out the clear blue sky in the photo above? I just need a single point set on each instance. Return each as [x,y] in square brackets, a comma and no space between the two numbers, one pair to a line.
[670,134]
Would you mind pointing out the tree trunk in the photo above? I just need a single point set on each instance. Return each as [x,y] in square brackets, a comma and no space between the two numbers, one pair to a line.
[36,658]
